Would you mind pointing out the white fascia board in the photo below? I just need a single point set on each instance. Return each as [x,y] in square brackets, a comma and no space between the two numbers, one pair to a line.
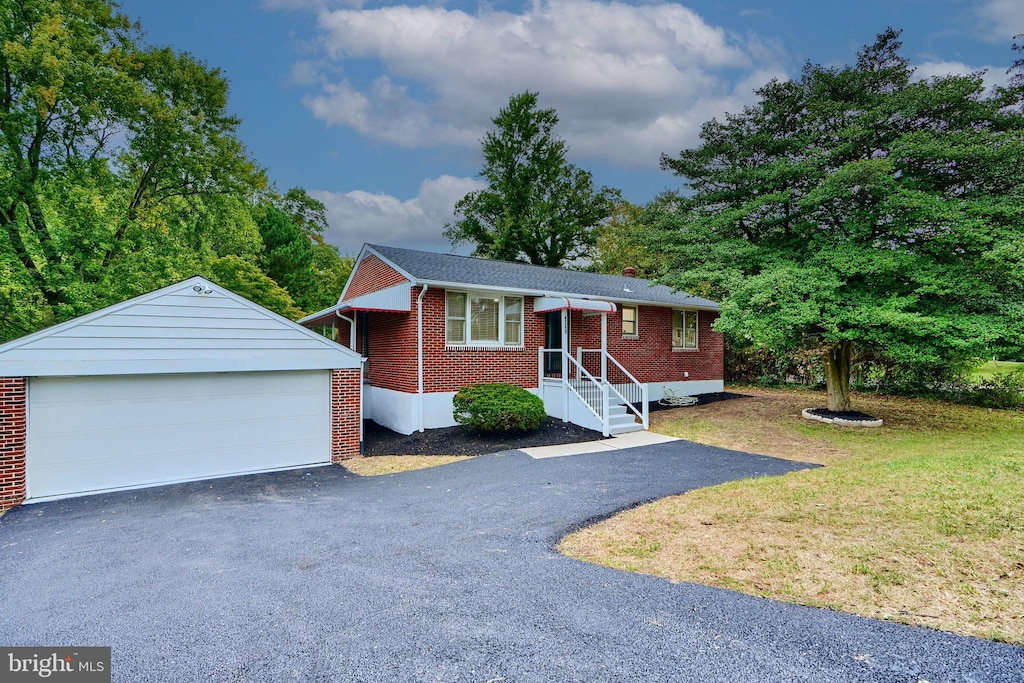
[163,367]
[570,295]
[401,271]
[367,250]
[332,310]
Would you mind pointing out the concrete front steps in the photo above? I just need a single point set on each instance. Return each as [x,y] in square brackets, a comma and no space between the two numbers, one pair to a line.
[621,420]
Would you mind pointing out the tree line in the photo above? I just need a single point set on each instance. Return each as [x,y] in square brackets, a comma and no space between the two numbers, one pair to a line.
[851,216]
[121,171]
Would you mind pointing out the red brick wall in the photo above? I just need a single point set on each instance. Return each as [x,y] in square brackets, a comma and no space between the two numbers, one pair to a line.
[371,275]
[12,441]
[392,357]
[450,370]
[650,357]
[344,333]
[346,395]
[393,362]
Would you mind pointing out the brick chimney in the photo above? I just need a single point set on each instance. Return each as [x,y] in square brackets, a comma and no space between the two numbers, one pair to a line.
[629,271]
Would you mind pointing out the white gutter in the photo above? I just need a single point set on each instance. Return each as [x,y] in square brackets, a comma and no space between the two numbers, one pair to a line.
[465,286]
[419,353]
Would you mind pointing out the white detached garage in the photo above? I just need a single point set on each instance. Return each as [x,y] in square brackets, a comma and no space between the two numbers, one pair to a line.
[188,382]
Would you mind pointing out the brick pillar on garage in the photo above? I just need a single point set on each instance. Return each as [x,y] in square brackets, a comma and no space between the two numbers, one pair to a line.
[346,413]
[12,441]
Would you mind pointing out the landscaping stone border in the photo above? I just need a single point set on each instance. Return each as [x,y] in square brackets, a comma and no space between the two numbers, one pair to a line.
[841,421]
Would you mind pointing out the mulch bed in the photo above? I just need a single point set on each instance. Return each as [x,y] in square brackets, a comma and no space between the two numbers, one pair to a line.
[380,440]
[852,415]
[702,399]
[465,441]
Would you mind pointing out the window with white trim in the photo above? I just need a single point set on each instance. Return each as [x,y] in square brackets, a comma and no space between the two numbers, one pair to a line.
[483,319]
[684,330]
[630,321]
[455,304]
[513,320]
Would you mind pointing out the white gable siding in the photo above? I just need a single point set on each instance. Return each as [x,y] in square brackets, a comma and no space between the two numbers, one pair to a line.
[174,330]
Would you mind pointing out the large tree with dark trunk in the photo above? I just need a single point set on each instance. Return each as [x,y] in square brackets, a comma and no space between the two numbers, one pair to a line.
[858,209]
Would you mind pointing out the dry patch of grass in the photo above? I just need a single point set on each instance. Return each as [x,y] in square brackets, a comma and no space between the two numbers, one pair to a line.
[921,521]
[393,464]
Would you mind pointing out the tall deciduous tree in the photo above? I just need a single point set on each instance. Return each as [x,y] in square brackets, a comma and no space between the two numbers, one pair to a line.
[856,207]
[119,165]
[537,207]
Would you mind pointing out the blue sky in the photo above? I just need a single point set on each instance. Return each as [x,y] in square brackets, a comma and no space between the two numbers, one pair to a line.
[377,108]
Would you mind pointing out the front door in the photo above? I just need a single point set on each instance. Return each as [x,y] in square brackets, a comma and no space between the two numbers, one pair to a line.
[553,340]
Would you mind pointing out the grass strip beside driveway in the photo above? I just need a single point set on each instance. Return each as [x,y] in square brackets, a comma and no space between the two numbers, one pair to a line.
[393,464]
[920,522]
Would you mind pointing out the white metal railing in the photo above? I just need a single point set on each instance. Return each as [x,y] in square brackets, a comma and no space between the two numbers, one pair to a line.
[575,378]
[595,389]
[620,382]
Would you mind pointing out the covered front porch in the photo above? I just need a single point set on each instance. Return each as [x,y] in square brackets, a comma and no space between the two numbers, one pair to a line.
[586,386]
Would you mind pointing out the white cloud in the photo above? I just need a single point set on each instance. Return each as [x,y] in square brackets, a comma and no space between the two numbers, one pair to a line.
[303,73]
[310,4]
[357,217]
[628,82]
[993,75]
[1000,20]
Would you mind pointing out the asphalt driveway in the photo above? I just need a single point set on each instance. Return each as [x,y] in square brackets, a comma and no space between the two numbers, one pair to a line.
[445,574]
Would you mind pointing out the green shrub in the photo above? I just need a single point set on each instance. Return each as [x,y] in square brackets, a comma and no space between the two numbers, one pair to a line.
[498,408]
[1002,391]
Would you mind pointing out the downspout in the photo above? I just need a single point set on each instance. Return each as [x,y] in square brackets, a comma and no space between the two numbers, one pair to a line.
[419,353]
[351,329]
[565,363]
[362,364]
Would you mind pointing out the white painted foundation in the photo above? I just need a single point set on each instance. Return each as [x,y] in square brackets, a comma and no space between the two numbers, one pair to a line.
[688,388]
[398,410]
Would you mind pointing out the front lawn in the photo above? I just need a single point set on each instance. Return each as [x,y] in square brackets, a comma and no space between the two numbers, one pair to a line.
[921,521]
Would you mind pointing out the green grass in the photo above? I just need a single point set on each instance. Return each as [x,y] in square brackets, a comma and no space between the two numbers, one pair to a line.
[394,464]
[993,368]
[921,521]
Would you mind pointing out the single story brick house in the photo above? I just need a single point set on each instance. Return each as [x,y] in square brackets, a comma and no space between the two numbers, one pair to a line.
[187,382]
[597,348]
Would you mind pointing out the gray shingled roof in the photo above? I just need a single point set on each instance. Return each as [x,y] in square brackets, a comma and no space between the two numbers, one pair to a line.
[429,267]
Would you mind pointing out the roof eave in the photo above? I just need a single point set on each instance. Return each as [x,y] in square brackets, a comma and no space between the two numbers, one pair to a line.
[323,316]
[443,284]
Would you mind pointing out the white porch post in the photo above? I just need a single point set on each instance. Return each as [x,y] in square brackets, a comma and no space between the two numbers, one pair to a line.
[604,348]
[565,365]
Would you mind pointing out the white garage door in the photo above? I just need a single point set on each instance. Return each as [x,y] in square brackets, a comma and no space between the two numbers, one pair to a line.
[91,434]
